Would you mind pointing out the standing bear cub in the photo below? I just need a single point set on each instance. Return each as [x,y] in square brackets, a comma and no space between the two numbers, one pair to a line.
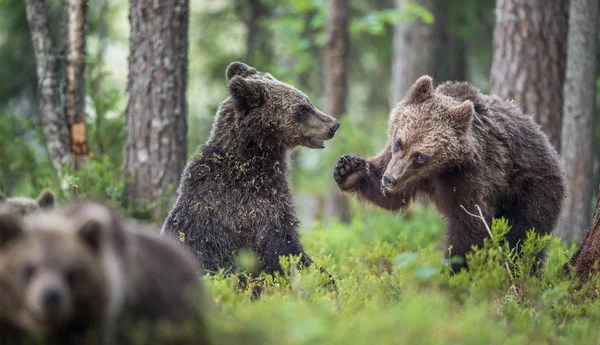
[461,148]
[234,194]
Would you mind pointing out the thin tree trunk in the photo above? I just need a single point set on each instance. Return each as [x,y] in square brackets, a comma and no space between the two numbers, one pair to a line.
[530,40]
[75,13]
[578,123]
[586,261]
[416,49]
[156,143]
[336,88]
[55,124]
[95,84]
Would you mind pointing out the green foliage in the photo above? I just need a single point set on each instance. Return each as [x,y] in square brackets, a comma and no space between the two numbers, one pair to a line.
[23,169]
[388,291]
[375,22]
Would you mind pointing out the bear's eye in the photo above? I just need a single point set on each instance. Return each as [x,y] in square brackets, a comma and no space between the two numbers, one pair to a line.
[73,275]
[301,114]
[398,145]
[28,271]
[420,158]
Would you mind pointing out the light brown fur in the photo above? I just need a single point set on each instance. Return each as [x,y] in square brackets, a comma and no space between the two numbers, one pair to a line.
[25,206]
[460,148]
[51,279]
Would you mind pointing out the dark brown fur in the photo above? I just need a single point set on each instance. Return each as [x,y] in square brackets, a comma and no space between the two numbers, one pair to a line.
[234,194]
[457,147]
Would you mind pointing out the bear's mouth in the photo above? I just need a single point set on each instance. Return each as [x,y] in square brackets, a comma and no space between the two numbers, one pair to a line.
[312,143]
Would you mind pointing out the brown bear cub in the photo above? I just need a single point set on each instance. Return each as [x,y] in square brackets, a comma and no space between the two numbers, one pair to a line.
[234,194]
[83,271]
[25,206]
[461,148]
[150,277]
[51,280]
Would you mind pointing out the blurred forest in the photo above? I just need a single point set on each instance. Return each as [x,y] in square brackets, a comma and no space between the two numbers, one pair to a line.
[101,91]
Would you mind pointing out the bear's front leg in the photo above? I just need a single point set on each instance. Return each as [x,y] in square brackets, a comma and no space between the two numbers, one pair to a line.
[363,177]
[277,243]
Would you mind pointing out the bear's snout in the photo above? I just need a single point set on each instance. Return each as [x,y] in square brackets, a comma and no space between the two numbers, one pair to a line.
[388,180]
[335,127]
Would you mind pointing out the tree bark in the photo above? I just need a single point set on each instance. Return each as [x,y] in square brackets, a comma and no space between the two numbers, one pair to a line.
[55,124]
[530,40]
[336,88]
[586,261]
[75,13]
[578,123]
[416,49]
[156,142]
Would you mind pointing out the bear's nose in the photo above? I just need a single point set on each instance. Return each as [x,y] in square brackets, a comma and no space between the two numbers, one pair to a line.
[52,300]
[335,126]
[388,180]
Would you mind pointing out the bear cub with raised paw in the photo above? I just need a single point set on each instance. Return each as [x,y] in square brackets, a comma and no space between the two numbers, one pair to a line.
[462,149]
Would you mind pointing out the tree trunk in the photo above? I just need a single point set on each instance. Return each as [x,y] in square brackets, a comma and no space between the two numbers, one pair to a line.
[156,143]
[55,124]
[336,88]
[530,40]
[586,261]
[578,124]
[416,49]
[75,12]
[95,82]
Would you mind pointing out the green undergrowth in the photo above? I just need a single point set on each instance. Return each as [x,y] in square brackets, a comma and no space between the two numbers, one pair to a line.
[392,286]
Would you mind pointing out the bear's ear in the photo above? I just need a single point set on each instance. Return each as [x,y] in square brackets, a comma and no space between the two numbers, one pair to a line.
[90,232]
[92,224]
[247,93]
[3,197]
[10,226]
[238,69]
[46,199]
[462,114]
[421,91]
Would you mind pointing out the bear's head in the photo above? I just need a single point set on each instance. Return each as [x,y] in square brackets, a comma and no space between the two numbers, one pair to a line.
[429,133]
[270,109]
[25,206]
[51,275]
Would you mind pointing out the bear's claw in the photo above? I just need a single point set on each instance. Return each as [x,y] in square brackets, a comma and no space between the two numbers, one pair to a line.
[348,171]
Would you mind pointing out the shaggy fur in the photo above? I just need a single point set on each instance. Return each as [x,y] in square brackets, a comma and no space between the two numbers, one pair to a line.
[25,206]
[457,147]
[234,194]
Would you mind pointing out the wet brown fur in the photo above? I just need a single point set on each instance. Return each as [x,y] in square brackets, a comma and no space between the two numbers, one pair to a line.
[234,194]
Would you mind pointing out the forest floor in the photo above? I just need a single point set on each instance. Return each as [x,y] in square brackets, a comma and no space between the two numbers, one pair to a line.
[393,287]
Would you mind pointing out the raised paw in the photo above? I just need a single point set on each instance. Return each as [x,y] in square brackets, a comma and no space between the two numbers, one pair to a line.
[348,171]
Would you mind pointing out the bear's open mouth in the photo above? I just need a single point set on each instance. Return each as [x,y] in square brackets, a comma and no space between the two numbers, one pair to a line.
[315,144]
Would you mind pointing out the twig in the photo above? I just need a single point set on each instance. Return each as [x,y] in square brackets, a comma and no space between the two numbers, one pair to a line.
[480,216]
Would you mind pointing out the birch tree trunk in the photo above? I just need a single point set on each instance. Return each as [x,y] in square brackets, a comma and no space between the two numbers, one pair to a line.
[530,40]
[156,143]
[578,123]
[416,49]
[336,88]
[74,104]
[55,124]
